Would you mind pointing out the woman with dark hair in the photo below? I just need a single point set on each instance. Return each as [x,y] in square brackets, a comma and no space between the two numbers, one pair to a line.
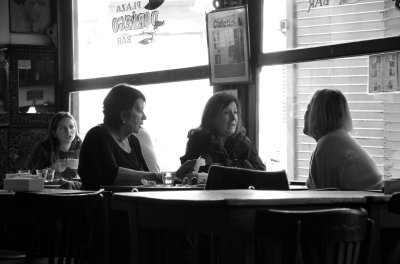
[111,154]
[221,139]
[62,143]
[338,161]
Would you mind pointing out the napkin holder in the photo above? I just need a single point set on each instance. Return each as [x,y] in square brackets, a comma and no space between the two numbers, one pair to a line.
[391,186]
[25,183]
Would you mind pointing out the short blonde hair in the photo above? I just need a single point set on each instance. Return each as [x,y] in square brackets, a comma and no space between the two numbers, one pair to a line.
[328,110]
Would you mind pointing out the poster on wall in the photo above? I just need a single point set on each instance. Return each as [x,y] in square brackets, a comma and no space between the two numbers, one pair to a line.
[384,73]
[228,45]
[32,16]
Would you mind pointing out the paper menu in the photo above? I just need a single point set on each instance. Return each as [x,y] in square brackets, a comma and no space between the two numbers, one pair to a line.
[384,72]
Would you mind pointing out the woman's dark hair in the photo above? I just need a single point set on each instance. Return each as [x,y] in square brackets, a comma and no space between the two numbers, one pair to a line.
[52,138]
[121,98]
[216,105]
[328,110]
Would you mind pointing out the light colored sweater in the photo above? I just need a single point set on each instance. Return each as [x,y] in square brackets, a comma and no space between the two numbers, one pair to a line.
[340,162]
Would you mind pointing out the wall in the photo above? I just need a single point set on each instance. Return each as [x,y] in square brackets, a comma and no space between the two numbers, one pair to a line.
[17,136]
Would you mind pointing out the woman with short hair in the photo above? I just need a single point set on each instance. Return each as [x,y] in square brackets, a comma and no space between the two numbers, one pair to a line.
[338,161]
[111,154]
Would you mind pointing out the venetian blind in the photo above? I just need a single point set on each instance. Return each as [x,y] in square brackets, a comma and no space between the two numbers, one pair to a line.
[376,117]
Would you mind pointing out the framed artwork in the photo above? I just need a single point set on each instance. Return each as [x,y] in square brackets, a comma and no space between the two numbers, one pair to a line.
[32,16]
[228,45]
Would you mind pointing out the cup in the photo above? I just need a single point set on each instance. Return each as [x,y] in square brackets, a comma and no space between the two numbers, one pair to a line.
[167,178]
[42,173]
[73,163]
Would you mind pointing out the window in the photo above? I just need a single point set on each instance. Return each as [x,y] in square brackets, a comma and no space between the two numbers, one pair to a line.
[321,22]
[161,50]
[285,89]
[125,37]
[172,109]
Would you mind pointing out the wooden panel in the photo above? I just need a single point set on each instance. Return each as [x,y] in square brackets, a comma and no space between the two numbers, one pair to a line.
[3,151]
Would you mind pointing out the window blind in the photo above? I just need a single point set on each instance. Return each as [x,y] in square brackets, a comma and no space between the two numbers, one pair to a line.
[376,117]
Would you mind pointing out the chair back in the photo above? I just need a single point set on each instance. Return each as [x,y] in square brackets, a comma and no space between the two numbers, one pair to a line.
[338,235]
[13,228]
[66,227]
[394,203]
[220,177]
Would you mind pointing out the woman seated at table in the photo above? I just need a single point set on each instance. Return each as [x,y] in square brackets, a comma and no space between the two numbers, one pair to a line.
[221,138]
[111,153]
[60,150]
[338,161]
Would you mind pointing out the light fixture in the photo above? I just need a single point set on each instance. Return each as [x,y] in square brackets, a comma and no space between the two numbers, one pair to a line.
[32,108]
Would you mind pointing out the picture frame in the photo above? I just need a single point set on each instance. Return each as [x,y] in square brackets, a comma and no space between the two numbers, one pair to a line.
[32,16]
[228,45]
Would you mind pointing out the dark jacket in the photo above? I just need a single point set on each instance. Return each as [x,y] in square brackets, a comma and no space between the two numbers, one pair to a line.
[238,151]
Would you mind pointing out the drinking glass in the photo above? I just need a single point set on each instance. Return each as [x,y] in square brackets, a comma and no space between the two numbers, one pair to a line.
[50,174]
[167,178]
[42,173]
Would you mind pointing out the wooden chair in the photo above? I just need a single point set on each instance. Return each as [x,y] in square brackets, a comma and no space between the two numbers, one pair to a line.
[220,177]
[392,241]
[339,235]
[394,203]
[13,227]
[66,228]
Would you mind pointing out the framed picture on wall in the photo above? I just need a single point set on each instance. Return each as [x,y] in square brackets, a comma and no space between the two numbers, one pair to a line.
[228,45]
[32,16]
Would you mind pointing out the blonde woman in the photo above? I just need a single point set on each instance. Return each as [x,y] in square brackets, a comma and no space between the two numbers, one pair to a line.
[338,160]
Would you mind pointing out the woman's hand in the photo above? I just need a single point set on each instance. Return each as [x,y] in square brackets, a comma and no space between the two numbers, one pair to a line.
[186,168]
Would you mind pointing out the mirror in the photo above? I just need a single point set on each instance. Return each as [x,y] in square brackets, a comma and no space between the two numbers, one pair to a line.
[36,86]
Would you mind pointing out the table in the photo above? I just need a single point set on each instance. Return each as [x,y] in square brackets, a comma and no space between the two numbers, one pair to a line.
[47,191]
[160,187]
[145,188]
[229,212]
